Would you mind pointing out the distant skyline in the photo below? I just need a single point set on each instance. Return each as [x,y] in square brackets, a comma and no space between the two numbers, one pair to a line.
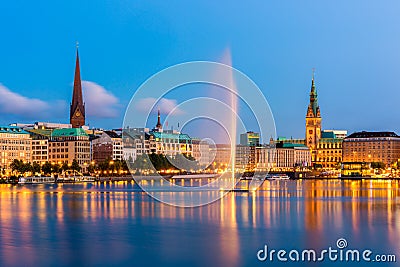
[353,45]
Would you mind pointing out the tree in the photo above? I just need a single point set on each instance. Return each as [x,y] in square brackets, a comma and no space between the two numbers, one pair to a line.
[16,165]
[46,168]
[91,168]
[75,166]
[186,162]
[55,168]
[36,167]
[142,163]
[65,166]
[21,167]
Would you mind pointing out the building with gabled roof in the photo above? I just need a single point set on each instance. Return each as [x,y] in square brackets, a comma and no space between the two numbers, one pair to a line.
[15,143]
[107,146]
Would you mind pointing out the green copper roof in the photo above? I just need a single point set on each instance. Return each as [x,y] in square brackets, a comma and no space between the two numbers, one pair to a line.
[43,132]
[69,132]
[170,136]
[327,135]
[12,130]
[292,145]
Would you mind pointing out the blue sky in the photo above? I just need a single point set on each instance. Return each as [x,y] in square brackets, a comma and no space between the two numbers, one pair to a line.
[354,46]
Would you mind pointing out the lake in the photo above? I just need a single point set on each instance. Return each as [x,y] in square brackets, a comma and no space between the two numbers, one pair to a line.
[116,224]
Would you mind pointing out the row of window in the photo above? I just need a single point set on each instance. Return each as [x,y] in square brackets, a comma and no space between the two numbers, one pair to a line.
[39,147]
[39,158]
[4,148]
[336,145]
[329,159]
[39,152]
[58,150]
[331,151]
[15,142]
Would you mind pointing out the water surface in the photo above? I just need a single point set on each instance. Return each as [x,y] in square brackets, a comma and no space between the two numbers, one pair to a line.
[117,224]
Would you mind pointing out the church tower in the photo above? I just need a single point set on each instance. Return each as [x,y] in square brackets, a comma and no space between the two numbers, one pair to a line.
[158,127]
[313,122]
[77,111]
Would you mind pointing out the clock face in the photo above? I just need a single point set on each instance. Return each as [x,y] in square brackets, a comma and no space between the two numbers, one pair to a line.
[78,114]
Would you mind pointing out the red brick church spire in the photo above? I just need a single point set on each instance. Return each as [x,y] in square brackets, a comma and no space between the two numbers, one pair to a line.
[77,112]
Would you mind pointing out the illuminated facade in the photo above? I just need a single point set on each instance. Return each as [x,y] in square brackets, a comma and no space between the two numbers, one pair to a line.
[325,146]
[223,155]
[172,143]
[68,144]
[372,147]
[40,151]
[137,141]
[15,143]
[292,155]
[329,150]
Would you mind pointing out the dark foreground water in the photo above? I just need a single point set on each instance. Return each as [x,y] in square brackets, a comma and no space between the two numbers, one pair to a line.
[116,224]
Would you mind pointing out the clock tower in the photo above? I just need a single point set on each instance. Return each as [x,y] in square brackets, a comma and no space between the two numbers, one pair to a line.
[313,122]
[77,111]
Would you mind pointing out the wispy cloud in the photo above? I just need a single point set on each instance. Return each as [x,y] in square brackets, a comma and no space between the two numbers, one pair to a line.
[12,103]
[99,102]
[164,104]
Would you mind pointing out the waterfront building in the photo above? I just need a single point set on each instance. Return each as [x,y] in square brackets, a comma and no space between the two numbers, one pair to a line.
[138,141]
[107,146]
[40,151]
[15,143]
[282,156]
[250,139]
[40,144]
[329,150]
[246,151]
[265,158]
[245,158]
[172,143]
[101,151]
[289,156]
[223,155]
[160,141]
[68,144]
[77,108]
[201,152]
[372,147]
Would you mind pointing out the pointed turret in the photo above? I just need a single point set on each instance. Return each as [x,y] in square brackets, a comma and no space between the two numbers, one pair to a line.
[77,111]
[313,100]
[313,122]
[159,125]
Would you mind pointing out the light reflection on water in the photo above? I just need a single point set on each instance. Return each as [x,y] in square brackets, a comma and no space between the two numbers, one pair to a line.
[117,224]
